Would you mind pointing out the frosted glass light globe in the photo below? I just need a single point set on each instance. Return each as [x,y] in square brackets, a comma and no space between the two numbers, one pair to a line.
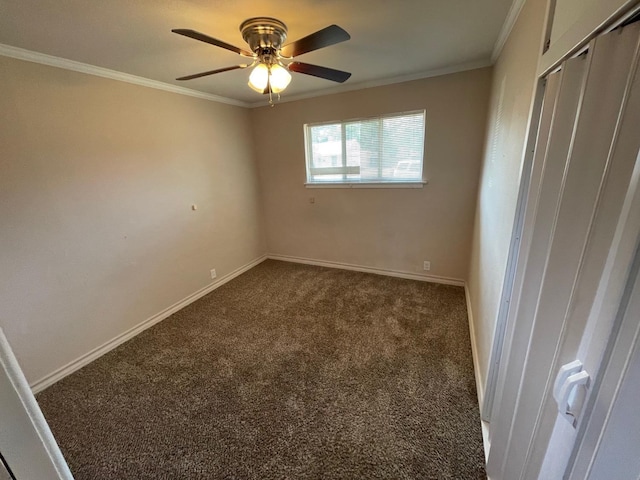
[259,78]
[280,78]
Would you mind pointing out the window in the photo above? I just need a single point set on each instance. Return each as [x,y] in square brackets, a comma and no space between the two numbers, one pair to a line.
[385,149]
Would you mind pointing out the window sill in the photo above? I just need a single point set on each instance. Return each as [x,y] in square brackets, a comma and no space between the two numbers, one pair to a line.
[367,185]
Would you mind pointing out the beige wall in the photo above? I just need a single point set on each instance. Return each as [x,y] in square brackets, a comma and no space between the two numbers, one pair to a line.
[96,186]
[393,229]
[511,99]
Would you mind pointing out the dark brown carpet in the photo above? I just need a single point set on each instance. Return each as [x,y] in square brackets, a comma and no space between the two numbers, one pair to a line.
[287,372]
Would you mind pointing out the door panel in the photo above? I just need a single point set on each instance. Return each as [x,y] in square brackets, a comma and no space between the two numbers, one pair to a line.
[609,448]
[615,391]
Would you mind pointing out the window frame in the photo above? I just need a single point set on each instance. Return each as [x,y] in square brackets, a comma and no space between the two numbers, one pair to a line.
[308,145]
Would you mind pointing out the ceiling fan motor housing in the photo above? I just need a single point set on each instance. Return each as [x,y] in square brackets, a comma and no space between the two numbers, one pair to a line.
[264,33]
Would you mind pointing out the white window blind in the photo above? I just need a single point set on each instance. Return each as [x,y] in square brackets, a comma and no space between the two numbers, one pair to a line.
[383,149]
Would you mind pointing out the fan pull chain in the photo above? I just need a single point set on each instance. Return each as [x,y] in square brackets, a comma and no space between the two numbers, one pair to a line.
[270,89]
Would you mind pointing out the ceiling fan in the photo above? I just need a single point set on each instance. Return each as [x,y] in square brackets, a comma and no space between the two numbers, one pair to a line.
[265,37]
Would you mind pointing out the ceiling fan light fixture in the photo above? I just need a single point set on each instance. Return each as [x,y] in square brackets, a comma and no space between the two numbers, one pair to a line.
[265,37]
[263,76]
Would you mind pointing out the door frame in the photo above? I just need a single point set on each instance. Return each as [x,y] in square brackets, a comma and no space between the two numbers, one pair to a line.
[26,442]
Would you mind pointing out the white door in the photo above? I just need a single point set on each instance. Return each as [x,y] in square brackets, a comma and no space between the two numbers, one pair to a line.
[594,314]
[26,443]
[579,256]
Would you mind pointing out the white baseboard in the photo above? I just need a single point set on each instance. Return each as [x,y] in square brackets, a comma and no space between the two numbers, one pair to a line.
[90,356]
[476,372]
[474,348]
[361,268]
[486,442]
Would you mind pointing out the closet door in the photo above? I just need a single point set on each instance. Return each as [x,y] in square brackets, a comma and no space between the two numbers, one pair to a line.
[607,257]
[608,435]
[592,149]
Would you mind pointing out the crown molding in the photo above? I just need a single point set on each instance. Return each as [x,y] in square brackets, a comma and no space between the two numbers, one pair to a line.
[461,67]
[507,26]
[50,60]
[44,59]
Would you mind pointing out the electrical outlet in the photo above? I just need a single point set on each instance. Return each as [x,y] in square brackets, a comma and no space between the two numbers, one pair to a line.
[213,273]
[427,266]
[312,200]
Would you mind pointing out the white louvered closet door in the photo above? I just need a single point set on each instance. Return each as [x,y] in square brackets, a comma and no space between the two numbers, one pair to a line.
[610,342]
[580,230]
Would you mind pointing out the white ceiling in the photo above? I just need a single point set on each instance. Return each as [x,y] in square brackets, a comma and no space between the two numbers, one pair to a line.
[389,39]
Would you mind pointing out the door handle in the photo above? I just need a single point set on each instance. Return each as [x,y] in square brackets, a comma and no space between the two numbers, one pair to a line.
[565,372]
[569,378]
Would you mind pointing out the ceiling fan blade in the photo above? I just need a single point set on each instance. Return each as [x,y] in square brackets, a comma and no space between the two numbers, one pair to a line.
[322,38]
[321,72]
[213,41]
[211,72]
